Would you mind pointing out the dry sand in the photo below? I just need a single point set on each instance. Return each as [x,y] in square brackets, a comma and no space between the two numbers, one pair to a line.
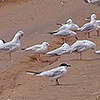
[36,18]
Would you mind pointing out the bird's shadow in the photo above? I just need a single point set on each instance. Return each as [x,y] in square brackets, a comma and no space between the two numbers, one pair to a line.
[64,85]
[95,59]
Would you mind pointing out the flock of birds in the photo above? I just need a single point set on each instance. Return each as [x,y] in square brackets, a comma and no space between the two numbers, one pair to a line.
[67,30]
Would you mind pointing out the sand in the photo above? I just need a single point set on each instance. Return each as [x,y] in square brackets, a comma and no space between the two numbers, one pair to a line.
[37,18]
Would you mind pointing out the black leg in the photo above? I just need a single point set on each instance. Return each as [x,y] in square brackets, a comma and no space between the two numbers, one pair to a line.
[57,82]
[80,55]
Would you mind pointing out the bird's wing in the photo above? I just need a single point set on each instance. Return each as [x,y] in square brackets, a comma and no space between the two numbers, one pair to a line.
[62,33]
[8,47]
[33,48]
[52,73]
[78,48]
[56,51]
[87,27]
[63,27]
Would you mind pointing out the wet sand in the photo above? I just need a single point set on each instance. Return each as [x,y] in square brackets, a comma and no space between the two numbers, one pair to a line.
[36,18]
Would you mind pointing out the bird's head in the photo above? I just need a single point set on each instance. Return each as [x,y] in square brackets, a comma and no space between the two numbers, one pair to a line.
[45,44]
[93,17]
[69,21]
[64,64]
[19,34]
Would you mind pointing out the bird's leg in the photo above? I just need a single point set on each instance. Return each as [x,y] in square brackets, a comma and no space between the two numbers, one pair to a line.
[10,56]
[63,39]
[80,55]
[38,57]
[97,33]
[57,82]
[88,34]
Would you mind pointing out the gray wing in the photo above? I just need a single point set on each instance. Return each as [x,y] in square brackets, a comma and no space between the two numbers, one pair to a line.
[78,48]
[88,27]
[56,73]
[62,33]
[8,47]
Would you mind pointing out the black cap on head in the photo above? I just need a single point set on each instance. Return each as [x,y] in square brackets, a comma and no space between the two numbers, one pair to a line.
[64,64]
[3,41]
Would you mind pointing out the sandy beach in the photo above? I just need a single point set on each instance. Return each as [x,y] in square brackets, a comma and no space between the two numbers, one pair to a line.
[36,18]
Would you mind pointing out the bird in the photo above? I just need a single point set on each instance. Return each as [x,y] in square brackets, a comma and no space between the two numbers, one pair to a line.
[93,1]
[62,27]
[2,41]
[98,27]
[65,34]
[59,51]
[54,73]
[81,46]
[39,49]
[89,27]
[69,25]
[13,45]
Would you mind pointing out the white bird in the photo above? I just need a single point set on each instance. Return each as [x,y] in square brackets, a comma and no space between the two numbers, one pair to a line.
[65,34]
[98,27]
[93,1]
[89,27]
[69,25]
[13,45]
[39,49]
[2,41]
[59,51]
[72,26]
[81,46]
[55,73]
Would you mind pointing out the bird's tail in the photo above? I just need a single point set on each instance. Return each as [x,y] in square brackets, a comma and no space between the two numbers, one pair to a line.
[52,32]
[32,73]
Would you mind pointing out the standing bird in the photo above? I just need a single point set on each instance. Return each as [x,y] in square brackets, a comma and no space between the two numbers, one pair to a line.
[2,41]
[72,26]
[13,45]
[59,51]
[69,25]
[98,27]
[55,73]
[81,46]
[89,27]
[65,34]
[39,49]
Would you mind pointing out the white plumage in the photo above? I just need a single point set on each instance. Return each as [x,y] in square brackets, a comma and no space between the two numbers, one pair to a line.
[72,26]
[61,50]
[2,41]
[55,73]
[69,25]
[13,45]
[89,27]
[81,46]
[39,48]
[65,34]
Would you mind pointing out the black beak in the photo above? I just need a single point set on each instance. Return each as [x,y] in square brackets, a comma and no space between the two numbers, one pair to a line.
[68,65]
